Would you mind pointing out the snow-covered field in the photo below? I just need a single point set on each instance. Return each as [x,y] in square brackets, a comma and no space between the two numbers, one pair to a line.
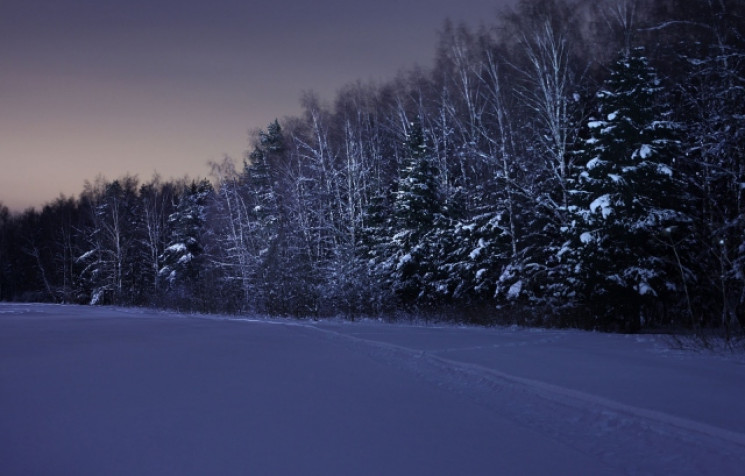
[92,391]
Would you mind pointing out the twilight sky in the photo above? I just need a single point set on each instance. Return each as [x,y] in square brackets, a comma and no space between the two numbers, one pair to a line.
[110,87]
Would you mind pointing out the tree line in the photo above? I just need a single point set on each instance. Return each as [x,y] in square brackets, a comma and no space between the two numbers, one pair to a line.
[572,163]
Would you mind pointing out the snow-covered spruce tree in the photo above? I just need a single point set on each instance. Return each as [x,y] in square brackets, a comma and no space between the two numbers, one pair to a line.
[258,185]
[284,277]
[273,233]
[417,208]
[183,263]
[373,250]
[479,249]
[629,204]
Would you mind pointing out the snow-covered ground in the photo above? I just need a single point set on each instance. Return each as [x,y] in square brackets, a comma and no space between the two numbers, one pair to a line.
[90,391]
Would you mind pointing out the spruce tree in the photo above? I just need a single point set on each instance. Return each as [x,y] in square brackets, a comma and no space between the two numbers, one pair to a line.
[182,259]
[417,218]
[629,201]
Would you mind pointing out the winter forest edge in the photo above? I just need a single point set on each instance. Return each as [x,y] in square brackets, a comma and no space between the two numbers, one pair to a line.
[574,163]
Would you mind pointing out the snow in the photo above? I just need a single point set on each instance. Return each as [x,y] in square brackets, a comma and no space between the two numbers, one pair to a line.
[603,203]
[514,291]
[405,259]
[96,297]
[177,248]
[664,170]
[477,251]
[565,248]
[91,390]
[644,288]
[586,237]
[592,163]
[645,151]
[86,255]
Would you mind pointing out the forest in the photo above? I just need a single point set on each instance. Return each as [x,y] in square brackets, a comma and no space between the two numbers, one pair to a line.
[569,163]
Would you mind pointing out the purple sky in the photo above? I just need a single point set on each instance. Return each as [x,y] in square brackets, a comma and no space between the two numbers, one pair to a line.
[110,87]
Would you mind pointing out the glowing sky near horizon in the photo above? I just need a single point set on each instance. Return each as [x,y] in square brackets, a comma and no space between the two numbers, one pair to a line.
[91,87]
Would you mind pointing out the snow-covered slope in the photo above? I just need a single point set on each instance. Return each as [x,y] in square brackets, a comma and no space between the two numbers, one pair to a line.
[103,391]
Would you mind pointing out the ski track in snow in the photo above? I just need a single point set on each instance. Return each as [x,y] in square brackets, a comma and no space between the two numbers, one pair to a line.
[628,438]
[632,439]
